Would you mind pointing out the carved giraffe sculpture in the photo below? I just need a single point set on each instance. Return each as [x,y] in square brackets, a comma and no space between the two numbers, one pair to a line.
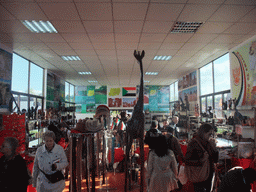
[135,126]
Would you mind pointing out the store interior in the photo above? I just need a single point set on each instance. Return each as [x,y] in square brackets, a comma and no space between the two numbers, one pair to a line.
[62,60]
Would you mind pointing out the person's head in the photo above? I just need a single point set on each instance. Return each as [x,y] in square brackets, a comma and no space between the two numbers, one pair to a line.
[205,131]
[9,146]
[175,119]
[49,138]
[165,123]
[161,146]
[249,174]
[61,126]
[170,130]
[154,124]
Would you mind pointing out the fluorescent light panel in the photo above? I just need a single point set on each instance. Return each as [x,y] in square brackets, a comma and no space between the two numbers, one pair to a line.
[85,73]
[39,26]
[71,58]
[162,58]
[151,73]
[186,27]
[92,81]
[146,81]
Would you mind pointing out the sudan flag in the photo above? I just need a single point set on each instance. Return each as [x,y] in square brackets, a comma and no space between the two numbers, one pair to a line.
[129,91]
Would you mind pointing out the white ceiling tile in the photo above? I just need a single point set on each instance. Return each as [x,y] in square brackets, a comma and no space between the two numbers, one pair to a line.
[154,46]
[60,11]
[104,45]
[193,46]
[230,13]
[127,37]
[13,27]
[152,37]
[171,46]
[101,37]
[242,39]
[240,2]
[25,37]
[85,52]
[25,11]
[205,1]
[64,52]
[214,27]
[226,38]
[95,11]
[241,28]
[185,53]
[74,63]
[106,52]
[129,11]
[157,26]
[5,15]
[58,46]
[46,53]
[5,38]
[98,26]
[202,38]
[68,26]
[50,37]
[156,10]
[197,13]
[76,37]
[167,52]
[124,45]
[178,38]
[128,26]
[35,46]
[81,46]
[249,17]
[124,52]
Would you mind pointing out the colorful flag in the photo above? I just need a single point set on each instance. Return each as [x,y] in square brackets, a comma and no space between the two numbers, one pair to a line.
[129,91]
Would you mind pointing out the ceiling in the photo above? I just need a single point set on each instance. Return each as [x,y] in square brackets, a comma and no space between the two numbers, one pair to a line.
[104,34]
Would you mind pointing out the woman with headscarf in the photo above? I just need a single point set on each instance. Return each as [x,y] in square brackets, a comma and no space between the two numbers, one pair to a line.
[13,170]
[195,155]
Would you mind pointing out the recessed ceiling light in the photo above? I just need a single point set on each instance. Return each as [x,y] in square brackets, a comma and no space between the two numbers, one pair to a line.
[92,81]
[162,58]
[85,73]
[186,27]
[151,73]
[39,26]
[146,81]
[71,58]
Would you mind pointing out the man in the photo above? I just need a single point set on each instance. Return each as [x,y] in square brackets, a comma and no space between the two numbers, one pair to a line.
[152,134]
[237,180]
[165,125]
[173,125]
[174,145]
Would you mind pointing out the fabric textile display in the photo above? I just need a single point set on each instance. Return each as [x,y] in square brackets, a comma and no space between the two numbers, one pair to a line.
[198,174]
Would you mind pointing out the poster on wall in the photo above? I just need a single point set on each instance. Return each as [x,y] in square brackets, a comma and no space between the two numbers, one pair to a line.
[5,80]
[114,102]
[101,95]
[129,102]
[243,74]
[114,92]
[129,91]
[146,94]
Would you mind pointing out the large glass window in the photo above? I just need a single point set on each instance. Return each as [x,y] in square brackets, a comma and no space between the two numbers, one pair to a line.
[67,95]
[221,69]
[206,79]
[36,80]
[19,74]
[23,103]
[72,93]
[172,92]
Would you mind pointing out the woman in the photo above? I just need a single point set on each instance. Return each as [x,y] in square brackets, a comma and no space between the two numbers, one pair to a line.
[49,158]
[195,155]
[13,170]
[162,170]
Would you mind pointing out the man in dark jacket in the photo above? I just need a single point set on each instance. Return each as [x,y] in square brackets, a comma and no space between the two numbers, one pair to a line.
[152,134]
[238,180]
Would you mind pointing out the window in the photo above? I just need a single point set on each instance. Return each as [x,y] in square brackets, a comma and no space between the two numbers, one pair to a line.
[213,92]
[72,93]
[23,103]
[19,74]
[36,80]
[174,94]
[221,69]
[67,95]
[206,79]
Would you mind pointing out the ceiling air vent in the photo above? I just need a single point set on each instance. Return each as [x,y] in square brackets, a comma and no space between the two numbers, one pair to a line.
[186,27]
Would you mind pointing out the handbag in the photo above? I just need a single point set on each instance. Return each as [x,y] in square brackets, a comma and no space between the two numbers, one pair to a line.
[182,176]
[198,174]
[55,177]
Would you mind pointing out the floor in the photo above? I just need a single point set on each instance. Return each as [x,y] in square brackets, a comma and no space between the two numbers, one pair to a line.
[115,182]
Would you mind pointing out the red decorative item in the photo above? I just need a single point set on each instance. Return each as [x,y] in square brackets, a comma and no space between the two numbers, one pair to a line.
[119,155]
[146,151]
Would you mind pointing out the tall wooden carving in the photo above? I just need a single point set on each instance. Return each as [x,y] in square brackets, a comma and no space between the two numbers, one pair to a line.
[135,126]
